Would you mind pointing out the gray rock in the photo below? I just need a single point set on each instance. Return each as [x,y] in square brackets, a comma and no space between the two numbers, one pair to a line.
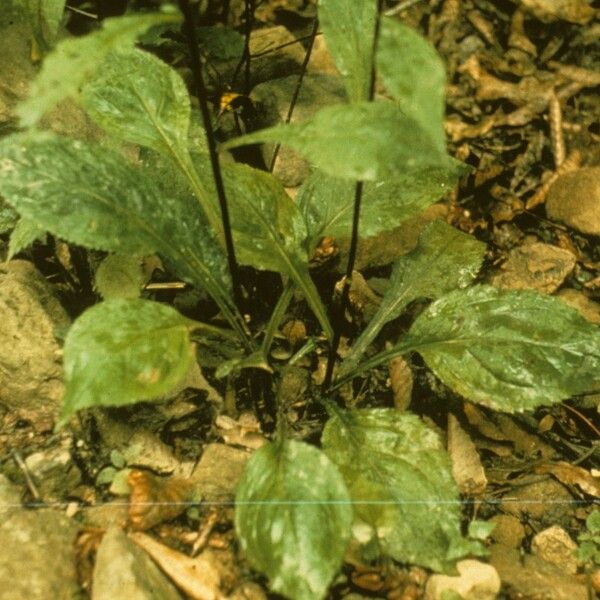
[509,531]
[10,496]
[554,545]
[37,560]
[30,366]
[275,52]
[476,581]
[580,302]
[574,199]
[219,471]
[536,266]
[54,471]
[531,578]
[123,571]
[273,100]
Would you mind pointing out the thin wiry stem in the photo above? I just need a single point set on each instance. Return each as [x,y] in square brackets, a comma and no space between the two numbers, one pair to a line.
[190,31]
[341,306]
[288,118]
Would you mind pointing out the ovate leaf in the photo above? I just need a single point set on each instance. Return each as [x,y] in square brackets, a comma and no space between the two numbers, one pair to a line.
[89,195]
[400,480]
[120,352]
[349,28]
[9,217]
[140,99]
[511,351]
[443,260]
[269,231]
[76,59]
[24,234]
[45,17]
[367,140]
[119,276]
[327,202]
[414,74]
[293,518]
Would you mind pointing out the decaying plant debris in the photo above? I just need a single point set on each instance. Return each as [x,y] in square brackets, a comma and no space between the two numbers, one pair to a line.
[135,498]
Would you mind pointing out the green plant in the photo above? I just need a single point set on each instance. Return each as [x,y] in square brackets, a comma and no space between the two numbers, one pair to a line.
[382,480]
[589,541]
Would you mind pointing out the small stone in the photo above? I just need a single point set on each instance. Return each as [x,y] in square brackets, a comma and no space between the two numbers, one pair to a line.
[531,578]
[476,581]
[574,199]
[554,545]
[123,571]
[580,302]
[30,366]
[53,471]
[37,558]
[536,266]
[509,531]
[531,502]
[273,99]
[219,471]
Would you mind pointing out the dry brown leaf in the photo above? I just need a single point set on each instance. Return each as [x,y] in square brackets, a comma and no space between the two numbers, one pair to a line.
[295,332]
[243,432]
[196,577]
[155,499]
[502,427]
[467,469]
[573,11]
[401,382]
[569,474]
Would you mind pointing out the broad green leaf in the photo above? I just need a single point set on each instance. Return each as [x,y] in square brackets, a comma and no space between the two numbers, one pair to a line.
[512,351]
[293,518]
[414,74]
[9,217]
[119,276]
[349,28]
[140,99]
[367,140]
[89,195]
[269,231]
[74,60]
[327,202]
[593,522]
[443,260]
[121,352]
[400,480]
[45,17]
[24,234]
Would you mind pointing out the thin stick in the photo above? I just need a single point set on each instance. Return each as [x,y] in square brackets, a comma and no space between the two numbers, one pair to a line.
[343,303]
[190,31]
[288,118]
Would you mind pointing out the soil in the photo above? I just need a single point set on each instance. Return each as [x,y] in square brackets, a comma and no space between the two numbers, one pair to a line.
[523,111]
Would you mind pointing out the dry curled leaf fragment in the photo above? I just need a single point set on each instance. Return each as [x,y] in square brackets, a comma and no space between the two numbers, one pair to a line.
[569,474]
[401,382]
[156,499]
[196,577]
[243,432]
[467,469]
[573,11]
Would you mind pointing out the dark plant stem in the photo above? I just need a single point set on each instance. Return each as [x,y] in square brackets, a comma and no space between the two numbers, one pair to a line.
[288,118]
[190,31]
[342,304]
[249,10]
[249,6]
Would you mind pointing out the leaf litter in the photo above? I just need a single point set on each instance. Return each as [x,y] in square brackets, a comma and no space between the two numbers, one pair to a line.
[521,111]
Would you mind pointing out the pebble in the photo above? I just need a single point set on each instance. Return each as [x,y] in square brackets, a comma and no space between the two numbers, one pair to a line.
[574,199]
